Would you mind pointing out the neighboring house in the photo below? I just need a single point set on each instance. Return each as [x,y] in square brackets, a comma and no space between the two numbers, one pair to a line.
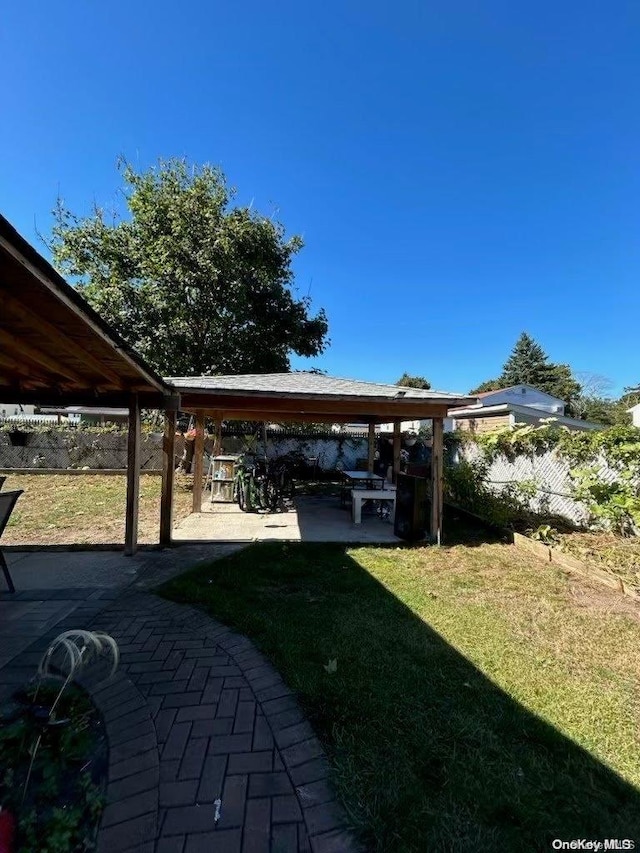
[11,410]
[15,413]
[89,415]
[523,395]
[634,411]
[517,404]
[416,426]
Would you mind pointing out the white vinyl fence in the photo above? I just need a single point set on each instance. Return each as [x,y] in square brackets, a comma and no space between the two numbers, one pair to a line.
[81,449]
[550,475]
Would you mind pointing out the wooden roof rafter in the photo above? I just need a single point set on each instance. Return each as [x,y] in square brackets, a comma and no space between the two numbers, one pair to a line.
[55,348]
[31,319]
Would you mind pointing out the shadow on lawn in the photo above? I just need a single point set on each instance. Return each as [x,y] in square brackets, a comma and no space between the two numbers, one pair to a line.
[428,753]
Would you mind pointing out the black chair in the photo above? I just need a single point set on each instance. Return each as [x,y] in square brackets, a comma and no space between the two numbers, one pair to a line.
[2,479]
[7,503]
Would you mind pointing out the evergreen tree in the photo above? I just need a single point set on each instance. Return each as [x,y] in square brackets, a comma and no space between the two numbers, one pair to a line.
[528,364]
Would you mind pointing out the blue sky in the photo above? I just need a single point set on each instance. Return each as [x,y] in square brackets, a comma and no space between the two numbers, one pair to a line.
[460,171]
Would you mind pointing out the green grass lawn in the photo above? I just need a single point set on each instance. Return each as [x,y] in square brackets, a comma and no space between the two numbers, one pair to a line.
[64,508]
[482,701]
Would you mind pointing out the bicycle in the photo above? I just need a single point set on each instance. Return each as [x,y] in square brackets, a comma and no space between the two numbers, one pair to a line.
[243,491]
[249,485]
[279,485]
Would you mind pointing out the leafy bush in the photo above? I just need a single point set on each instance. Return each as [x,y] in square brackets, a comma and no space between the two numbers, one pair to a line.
[613,505]
[466,486]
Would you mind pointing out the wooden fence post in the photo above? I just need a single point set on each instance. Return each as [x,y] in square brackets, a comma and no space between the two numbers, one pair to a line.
[168,467]
[133,478]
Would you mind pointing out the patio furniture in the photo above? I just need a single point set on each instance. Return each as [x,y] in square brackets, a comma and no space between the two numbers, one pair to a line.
[360,495]
[358,480]
[2,479]
[7,503]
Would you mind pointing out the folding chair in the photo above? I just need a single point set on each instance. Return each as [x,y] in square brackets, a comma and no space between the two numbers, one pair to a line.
[7,503]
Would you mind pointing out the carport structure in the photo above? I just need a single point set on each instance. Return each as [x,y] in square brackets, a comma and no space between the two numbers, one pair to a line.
[313,398]
[55,350]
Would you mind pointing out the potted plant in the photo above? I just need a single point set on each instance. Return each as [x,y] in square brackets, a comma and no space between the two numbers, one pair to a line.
[17,437]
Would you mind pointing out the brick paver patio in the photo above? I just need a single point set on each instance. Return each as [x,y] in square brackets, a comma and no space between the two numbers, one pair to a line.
[208,749]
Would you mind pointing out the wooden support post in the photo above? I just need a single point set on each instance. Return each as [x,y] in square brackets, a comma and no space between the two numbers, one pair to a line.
[397,447]
[168,468]
[133,478]
[217,440]
[198,461]
[372,447]
[437,483]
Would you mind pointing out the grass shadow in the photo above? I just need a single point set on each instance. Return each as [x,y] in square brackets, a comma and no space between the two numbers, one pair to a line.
[427,752]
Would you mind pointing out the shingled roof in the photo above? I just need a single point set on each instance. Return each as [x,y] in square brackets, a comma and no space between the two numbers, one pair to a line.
[311,385]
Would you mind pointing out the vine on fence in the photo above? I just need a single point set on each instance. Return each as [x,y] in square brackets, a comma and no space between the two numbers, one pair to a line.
[466,486]
[614,505]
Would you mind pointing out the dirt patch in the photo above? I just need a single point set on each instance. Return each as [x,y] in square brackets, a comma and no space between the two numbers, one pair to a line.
[601,600]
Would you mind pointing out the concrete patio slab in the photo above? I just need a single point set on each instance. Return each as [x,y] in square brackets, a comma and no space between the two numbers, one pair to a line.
[64,569]
[313,519]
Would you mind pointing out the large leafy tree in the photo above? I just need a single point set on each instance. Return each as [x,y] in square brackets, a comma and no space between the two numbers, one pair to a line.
[195,284]
[409,381]
[489,385]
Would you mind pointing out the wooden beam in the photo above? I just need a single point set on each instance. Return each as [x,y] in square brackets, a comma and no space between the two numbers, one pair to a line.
[53,395]
[296,417]
[371,447]
[133,478]
[397,447]
[257,408]
[302,417]
[58,287]
[20,369]
[168,468]
[437,481]
[58,337]
[217,440]
[198,461]
[24,350]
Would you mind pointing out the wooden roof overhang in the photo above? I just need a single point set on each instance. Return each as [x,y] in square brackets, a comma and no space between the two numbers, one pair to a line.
[54,348]
[282,406]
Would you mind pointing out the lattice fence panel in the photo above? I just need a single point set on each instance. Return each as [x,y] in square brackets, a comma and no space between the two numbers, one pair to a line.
[551,475]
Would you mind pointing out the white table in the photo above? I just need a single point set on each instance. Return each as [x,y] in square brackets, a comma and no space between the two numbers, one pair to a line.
[360,495]
[358,480]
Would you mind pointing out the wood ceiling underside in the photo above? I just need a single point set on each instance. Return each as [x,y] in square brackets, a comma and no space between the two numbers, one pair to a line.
[47,348]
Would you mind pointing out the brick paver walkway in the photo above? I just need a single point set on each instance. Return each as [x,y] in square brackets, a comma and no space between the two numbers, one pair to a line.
[194,715]
[197,715]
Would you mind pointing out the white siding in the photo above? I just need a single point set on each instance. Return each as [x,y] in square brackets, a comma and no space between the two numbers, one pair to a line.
[525,395]
[10,410]
[415,426]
